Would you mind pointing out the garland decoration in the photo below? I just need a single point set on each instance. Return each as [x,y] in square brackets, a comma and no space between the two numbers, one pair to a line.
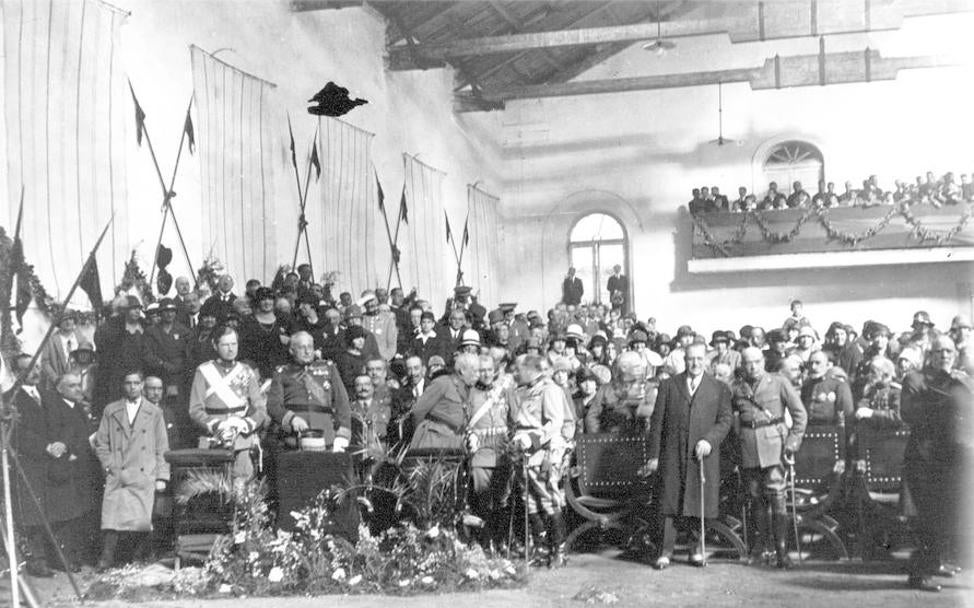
[919,232]
[133,276]
[8,341]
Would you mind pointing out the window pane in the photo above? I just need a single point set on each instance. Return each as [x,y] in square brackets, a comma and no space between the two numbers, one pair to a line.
[596,227]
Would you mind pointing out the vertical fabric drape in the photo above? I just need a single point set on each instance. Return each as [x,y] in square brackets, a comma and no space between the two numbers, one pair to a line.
[480,261]
[64,108]
[344,217]
[237,202]
[422,240]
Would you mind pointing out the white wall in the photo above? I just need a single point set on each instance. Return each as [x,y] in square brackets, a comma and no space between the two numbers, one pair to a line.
[299,52]
[639,154]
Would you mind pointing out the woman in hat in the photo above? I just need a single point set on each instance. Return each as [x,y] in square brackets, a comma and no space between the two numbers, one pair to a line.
[720,341]
[264,335]
[351,362]
[588,384]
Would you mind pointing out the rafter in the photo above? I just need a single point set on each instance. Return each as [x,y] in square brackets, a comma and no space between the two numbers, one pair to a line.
[776,73]
[748,24]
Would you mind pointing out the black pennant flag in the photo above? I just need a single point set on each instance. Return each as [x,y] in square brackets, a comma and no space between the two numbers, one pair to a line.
[403,212]
[380,194]
[190,134]
[91,284]
[315,162]
[466,233]
[449,233]
[294,156]
[139,116]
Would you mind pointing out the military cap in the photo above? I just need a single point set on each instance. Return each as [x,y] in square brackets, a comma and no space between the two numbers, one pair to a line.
[367,297]
[495,316]
[508,306]
[166,304]
[462,290]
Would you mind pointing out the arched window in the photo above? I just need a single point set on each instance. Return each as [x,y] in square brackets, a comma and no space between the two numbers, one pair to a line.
[793,161]
[597,243]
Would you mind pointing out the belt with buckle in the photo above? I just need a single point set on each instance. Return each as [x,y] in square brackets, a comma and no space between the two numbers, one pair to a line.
[757,424]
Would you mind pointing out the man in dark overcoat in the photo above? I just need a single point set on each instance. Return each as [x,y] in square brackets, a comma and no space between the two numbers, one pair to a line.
[936,402]
[691,419]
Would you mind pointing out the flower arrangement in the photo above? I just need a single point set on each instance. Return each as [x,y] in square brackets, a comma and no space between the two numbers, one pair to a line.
[133,277]
[210,272]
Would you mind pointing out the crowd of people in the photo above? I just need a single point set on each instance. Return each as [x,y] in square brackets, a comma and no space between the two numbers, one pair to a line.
[928,190]
[288,367]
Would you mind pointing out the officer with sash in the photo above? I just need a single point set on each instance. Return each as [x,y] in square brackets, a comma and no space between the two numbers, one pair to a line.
[226,400]
[307,395]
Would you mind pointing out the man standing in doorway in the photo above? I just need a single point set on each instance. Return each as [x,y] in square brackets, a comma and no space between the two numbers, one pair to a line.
[572,289]
[618,287]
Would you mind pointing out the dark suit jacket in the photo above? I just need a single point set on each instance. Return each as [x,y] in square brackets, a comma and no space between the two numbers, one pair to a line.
[679,421]
[572,290]
[221,308]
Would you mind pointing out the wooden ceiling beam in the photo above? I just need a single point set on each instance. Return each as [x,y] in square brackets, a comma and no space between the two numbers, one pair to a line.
[776,73]
[752,23]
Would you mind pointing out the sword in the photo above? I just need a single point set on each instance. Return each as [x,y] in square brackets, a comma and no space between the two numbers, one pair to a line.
[794,507]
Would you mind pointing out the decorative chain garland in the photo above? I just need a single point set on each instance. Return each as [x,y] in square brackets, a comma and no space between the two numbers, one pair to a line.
[919,231]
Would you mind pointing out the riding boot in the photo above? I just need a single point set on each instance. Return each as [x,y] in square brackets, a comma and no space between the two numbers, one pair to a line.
[761,545]
[107,559]
[539,550]
[556,539]
[781,532]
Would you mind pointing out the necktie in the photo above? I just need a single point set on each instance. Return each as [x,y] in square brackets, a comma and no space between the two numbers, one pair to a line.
[69,345]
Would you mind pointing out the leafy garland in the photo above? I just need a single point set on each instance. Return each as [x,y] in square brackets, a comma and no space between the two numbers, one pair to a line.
[8,341]
[133,276]
[919,231]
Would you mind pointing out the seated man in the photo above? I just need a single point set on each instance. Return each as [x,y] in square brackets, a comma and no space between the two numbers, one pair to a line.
[879,408]
[798,196]
[625,404]
[308,395]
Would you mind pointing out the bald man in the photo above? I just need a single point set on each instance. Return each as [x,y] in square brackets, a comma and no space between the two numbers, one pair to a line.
[936,403]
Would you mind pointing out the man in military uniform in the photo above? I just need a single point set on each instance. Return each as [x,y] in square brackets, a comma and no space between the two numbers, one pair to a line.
[936,403]
[226,401]
[538,436]
[309,395]
[489,420]
[381,324]
[828,400]
[760,399]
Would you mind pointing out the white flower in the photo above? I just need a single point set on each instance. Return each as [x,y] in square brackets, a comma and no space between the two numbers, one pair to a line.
[252,556]
[276,575]
[355,580]
[338,575]
[224,588]
[472,574]
[433,532]
[404,582]
[427,580]
[240,537]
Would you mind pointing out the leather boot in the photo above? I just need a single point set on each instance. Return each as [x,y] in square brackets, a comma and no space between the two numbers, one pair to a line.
[781,527]
[761,545]
[539,548]
[556,539]
[110,543]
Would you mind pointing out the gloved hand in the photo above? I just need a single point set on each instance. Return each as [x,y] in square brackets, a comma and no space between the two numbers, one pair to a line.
[299,424]
[789,457]
[473,442]
[702,449]
[649,468]
[56,449]
[340,445]
[860,466]
[160,485]
[864,412]
[522,441]
[839,467]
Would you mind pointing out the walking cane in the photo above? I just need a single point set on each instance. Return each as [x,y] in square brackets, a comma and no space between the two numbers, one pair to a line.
[794,508]
[703,512]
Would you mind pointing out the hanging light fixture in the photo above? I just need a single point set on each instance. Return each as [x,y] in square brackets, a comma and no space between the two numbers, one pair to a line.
[721,140]
[659,46]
